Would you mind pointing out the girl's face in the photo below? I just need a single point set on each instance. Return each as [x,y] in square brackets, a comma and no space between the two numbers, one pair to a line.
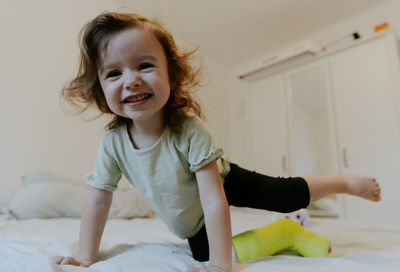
[134,75]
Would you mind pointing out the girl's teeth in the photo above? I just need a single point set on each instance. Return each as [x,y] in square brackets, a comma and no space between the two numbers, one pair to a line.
[137,98]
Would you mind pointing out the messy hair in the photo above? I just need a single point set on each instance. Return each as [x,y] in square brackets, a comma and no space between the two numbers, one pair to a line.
[85,91]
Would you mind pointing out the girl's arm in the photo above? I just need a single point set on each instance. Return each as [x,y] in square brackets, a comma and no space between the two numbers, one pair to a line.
[93,221]
[216,215]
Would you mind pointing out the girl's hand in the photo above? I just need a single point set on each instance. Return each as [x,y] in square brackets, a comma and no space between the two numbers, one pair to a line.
[211,268]
[61,260]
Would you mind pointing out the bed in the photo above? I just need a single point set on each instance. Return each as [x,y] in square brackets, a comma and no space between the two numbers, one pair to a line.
[145,244]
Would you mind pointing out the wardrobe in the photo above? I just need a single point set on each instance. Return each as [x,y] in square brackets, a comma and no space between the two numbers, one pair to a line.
[334,113]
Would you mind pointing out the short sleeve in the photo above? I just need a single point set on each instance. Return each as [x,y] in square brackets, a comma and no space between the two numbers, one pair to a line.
[107,173]
[202,149]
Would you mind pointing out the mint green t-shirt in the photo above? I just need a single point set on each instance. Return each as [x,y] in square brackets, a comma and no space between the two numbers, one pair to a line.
[164,173]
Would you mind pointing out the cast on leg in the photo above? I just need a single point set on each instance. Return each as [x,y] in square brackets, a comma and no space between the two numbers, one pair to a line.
[283,234]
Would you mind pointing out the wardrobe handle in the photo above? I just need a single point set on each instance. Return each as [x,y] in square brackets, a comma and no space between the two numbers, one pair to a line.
[284,162]
[344,155]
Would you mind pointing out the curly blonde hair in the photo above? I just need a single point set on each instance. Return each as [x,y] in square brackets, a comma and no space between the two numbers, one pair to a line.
[85,91]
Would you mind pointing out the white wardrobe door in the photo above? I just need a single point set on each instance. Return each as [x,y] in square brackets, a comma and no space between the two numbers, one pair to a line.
[368,124]
[266,127]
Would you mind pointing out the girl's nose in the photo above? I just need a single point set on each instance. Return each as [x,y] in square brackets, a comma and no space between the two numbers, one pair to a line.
[132,81]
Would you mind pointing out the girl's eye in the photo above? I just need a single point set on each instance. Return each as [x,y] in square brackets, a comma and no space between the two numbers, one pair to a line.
[145,65]
[113,73]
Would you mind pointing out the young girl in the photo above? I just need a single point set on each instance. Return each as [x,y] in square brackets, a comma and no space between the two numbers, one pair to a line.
[132,69]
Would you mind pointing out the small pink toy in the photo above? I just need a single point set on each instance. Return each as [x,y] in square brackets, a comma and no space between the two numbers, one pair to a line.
[300,216]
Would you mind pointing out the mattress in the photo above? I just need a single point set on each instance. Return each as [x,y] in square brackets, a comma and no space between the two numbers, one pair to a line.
[145,244]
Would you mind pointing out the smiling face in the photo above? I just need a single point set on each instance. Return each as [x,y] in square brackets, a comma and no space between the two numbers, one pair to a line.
[134,75]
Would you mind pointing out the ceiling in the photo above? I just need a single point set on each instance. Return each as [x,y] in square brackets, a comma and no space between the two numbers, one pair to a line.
[233,32]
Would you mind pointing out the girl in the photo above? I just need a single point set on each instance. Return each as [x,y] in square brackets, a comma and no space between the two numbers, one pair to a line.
[132,69]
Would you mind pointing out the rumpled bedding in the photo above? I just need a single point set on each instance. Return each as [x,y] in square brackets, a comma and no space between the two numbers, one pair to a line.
[145,244]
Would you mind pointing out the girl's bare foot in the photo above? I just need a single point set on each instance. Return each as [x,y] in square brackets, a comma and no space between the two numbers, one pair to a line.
[363,186]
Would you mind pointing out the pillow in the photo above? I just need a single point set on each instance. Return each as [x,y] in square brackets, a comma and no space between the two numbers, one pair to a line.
[46,176]
[45,195]
[325,207]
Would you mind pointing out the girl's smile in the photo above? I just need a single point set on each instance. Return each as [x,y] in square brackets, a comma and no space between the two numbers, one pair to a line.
[136,99]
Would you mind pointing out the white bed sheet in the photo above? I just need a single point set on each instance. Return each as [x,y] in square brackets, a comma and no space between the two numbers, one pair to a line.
[147,245]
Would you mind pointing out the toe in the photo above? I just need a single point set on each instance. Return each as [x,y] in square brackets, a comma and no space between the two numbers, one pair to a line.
[57,259]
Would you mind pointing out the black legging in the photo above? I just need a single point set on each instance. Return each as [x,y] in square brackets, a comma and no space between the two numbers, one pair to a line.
[244,188]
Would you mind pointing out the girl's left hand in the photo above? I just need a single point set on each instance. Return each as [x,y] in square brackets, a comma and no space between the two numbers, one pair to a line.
[211,268]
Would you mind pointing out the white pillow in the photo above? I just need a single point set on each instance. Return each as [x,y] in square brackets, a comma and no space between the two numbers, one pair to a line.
[47,176]
[325,207]
[45,195]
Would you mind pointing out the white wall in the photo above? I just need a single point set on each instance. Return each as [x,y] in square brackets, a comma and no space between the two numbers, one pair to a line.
[363,23]
[325,163]
[303,144]
[215,100]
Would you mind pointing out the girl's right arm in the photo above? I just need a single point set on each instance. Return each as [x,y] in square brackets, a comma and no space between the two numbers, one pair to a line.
[93,221]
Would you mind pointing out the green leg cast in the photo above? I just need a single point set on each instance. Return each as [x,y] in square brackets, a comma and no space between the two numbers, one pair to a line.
[283,234]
